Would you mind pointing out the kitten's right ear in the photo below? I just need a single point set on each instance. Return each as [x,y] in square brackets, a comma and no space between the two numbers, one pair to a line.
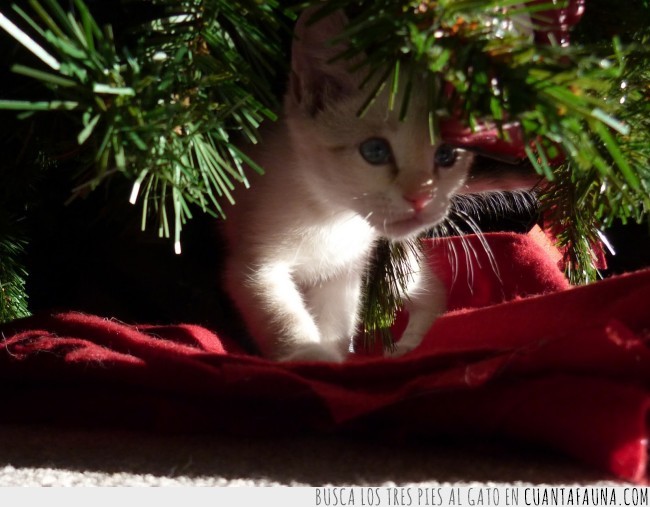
[315,80]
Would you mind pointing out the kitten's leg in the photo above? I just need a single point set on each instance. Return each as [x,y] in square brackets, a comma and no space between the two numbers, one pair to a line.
[424,301]
[335,306]
[275,312]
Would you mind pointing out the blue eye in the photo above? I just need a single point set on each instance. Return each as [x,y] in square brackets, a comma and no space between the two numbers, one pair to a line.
[445,155]
[376,151]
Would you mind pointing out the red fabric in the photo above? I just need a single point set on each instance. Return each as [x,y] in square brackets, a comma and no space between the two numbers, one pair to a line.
[520,356]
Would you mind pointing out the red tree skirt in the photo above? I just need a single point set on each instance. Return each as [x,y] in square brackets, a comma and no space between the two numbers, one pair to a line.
[520,356]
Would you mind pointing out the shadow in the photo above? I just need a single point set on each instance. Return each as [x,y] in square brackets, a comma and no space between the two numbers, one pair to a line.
[132,457]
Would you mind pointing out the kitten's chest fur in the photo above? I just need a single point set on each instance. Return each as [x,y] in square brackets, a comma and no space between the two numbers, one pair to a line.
[330,247]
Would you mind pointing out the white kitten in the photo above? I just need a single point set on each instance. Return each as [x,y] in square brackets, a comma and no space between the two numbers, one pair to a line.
[300,238]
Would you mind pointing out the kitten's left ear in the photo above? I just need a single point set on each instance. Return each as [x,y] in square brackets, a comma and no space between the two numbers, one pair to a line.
[315,80]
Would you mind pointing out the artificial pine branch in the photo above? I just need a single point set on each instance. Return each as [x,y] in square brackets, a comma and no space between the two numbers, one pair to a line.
[20,172]
[162,111]
[385,281]
[13,299]
[580,205]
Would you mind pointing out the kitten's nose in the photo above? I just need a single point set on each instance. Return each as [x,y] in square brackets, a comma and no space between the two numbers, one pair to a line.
[418,189]
[419,200]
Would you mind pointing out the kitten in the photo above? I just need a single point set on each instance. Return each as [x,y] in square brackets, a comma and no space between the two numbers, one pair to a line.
[299,240]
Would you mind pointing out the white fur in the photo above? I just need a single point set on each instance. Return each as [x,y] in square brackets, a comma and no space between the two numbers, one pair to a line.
[424,301]
[300,238]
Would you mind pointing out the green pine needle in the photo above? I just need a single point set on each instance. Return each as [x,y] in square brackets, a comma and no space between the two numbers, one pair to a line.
[385,286]
[162,112]
[13,299]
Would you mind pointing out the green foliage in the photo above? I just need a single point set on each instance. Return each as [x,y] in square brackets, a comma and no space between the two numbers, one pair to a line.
[387,278]
[13,299]
[161,111]
[586,199]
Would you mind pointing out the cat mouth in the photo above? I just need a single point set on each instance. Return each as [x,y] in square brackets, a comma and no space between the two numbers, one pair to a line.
[410,226]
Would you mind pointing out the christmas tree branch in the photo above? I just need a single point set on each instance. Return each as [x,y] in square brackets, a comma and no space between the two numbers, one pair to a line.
[13,300]
[163,111]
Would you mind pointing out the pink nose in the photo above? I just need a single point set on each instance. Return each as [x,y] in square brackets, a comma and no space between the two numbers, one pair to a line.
[419,200]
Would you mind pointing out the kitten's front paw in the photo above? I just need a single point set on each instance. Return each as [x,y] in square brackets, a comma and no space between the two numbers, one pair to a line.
[407,344]
[330,353]
[399,350]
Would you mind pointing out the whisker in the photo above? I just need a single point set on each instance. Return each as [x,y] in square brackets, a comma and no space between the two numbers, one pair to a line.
[441,230]
[452,255]
[438,231]
[481,237]
[496,204]
[470,251]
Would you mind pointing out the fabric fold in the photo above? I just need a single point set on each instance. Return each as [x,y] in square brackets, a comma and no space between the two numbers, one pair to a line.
[521,356]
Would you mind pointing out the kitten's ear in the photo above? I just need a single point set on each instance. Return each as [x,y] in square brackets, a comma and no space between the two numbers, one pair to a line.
[314,79]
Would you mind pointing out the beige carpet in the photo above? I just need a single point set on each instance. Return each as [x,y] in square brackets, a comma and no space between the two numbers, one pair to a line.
[45,456]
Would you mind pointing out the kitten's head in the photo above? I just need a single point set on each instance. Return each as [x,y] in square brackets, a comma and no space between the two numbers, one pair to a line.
[384,169]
